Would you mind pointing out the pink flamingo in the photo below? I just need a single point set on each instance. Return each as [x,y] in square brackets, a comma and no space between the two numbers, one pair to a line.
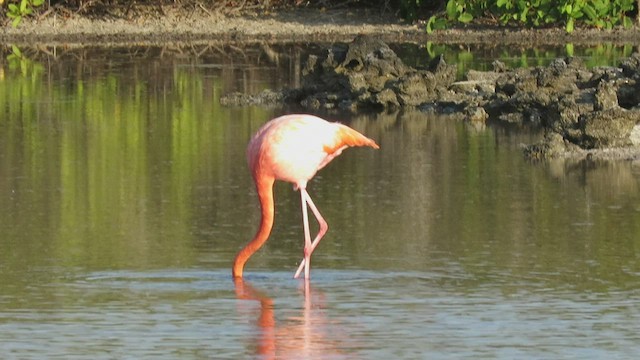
[293,148]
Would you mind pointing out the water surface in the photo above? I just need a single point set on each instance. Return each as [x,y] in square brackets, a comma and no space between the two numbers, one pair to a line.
[124,196]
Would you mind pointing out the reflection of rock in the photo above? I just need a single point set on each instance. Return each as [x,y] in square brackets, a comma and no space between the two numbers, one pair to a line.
[266,97]
[580,108]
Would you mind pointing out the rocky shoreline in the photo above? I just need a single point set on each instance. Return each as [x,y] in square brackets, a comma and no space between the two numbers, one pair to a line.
[584,112]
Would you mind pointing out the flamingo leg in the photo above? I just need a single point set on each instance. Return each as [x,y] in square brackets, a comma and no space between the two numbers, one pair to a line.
[309,245]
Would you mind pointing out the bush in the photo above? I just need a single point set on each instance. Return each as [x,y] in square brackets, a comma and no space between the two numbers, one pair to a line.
[18,9]
[533,13]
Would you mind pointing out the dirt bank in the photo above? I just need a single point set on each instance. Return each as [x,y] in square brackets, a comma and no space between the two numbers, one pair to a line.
[149,26]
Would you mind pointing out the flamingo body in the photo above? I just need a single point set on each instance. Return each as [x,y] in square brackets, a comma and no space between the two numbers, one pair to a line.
[293,148]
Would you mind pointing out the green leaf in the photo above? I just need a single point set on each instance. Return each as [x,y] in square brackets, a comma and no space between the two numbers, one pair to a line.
[13,8]
[589,11]
[600,6]
[501,3]
[436,23]
[569,27]
[452,12]
[465,17]
[37,2]
[429,26]
[523,15]
[16,21]
[23,6]
[568,9]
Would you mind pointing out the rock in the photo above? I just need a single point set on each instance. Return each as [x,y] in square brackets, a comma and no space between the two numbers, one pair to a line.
[483,76]
[499,66]
[634,136]
[631,66]
[606,96]
[563,118]
[476,114]
[415,88]
[578,108]
[386,98]
[368,73]
[611,127]
[473,87]
[552,146]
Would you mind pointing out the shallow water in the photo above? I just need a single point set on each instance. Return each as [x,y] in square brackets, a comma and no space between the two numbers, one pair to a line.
[124,196]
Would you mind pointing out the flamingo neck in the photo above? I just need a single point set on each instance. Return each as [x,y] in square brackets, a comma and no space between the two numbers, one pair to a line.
[264,185]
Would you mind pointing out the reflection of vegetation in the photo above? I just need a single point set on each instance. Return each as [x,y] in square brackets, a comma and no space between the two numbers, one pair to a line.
[133,163]
[108,162]
[19,62]
[482,57]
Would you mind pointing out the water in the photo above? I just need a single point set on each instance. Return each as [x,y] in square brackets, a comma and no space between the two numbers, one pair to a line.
[124,196]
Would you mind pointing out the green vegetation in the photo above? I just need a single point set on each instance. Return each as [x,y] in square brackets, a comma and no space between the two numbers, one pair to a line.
[100,151]
[21,8]
[603,14]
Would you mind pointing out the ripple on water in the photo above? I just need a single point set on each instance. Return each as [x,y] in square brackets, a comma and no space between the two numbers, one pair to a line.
[349,314]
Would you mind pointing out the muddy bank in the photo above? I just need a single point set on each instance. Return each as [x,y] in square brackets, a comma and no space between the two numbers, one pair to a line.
[145,25]
[592,112]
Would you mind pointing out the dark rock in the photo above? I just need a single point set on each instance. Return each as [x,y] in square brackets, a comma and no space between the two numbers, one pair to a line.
[476,114]
[386,98]
[368,73]
[631,66]
[563,118]
[578,108]
[499,66]
[611,127]
[606,96]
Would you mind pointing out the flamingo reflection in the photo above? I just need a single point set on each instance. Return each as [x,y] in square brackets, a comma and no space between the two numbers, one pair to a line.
[307,336]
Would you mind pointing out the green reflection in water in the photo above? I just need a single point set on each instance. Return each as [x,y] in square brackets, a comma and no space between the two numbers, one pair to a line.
[141,168]
[103,171]
[482,56]
[124,195]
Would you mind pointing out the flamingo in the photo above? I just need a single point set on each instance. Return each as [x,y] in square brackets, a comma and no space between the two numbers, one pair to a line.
[293,148]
